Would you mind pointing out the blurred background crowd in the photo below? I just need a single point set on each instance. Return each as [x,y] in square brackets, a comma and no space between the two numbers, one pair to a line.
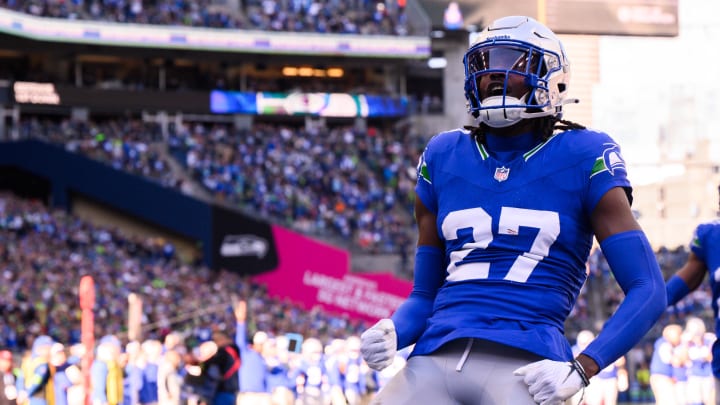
[328,182]
[321,16]
[43,254]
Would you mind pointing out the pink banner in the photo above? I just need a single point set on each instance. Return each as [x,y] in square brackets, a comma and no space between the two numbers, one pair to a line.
[312,273]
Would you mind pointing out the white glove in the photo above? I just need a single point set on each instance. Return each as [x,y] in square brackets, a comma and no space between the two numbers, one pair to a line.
[378,344]
[552,382]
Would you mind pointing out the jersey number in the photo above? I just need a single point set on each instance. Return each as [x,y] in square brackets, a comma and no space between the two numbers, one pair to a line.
[511,219]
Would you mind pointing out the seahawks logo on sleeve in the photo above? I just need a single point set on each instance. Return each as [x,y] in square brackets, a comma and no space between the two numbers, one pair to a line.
[696,240]
[610,161]
[422,169]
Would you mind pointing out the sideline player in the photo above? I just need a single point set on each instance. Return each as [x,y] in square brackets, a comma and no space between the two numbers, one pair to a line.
[506,214]
[704,258]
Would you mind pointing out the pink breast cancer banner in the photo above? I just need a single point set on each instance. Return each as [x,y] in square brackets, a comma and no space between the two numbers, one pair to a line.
[312,273]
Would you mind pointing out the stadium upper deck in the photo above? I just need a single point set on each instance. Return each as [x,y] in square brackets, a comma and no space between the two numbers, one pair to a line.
[322,16]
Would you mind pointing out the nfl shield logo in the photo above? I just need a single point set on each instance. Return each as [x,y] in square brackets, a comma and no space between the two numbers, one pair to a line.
[502,173]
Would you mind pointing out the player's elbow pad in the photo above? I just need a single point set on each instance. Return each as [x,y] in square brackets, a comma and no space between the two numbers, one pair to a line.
[635,268]
[411,316]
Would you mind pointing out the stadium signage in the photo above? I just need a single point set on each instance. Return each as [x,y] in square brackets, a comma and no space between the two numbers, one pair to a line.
[244,245]
[312,274]
[211,39]
[240,243]
[316,104]
[36,93]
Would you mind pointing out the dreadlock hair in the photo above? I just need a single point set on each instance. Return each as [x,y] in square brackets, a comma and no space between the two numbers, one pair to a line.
[544,127]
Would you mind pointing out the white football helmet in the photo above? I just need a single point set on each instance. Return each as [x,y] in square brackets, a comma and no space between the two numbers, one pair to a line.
[517,47]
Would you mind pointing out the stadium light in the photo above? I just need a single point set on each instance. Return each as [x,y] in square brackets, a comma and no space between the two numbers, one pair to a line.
[305,71]
[437,63]
[289,71]
[335,72]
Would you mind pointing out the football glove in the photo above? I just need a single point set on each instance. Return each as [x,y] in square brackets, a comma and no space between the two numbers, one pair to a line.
[552,382]
[378,344]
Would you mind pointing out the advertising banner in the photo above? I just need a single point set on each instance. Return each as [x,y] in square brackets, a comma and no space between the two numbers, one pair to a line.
[311,273]
[315,104]
[104,100]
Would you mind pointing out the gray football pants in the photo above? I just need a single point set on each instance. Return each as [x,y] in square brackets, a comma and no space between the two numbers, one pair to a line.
[485,377]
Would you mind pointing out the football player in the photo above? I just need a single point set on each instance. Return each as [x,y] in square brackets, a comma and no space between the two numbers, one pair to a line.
[704,258]
[506,214]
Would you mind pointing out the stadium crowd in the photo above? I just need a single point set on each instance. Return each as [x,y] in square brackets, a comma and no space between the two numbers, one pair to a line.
[43,253]
[128,145]
[321,16]
[320,181]
[331,182]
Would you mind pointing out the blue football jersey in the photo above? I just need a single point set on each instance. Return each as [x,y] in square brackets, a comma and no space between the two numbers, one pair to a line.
[706,246]
[517,235]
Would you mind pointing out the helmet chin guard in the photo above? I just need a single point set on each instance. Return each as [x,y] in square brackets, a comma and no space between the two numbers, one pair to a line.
[501,111]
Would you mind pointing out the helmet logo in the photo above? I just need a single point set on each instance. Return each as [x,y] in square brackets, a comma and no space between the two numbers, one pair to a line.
[502,173]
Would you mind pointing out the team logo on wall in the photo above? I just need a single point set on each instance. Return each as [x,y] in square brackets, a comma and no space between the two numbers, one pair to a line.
[502,173]
[244,245]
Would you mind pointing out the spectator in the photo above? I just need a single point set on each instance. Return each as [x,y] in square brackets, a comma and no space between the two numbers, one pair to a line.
[151,350]
[133,375]
[661,367]
[37,373]
[222,369]
[61,379]
[254,370]
[8,391]
[106,373]
[700,384]
[169,379]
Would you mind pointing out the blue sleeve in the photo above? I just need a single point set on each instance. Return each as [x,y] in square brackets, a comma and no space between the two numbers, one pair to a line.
[241,336]
[696,245]
[98,376]
[39,379]
[676,289]
[636,270]
[411,316]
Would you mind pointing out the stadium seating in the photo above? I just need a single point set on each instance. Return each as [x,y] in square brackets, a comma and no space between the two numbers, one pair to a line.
[44,253]
[333,183]
[364,18]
